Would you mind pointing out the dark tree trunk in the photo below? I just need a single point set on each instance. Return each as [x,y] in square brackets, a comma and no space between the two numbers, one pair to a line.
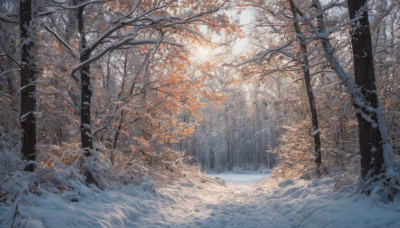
[116,135]
[306,72]
[85,90]
[28,84]
[230,150]
[85,100]
[371,149]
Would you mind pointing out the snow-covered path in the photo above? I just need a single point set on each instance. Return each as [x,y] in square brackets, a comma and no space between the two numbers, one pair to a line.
[240,179]
[211,205]
[200,202]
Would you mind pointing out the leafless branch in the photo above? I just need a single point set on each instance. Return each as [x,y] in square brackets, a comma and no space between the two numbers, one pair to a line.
[6,18]
[8,71]
[102,127]
[61,41]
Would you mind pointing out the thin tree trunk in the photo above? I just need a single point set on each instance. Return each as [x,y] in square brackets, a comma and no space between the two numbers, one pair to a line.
[131,90]
[28,84]
[116,135]
[369,135]
[306,72]
[230,156]
[122,110]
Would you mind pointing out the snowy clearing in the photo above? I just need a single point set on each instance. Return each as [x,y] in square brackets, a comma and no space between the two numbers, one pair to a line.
[203,202]
[240,179]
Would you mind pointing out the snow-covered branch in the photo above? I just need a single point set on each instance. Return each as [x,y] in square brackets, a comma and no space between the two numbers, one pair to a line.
[375,24]
[75,7]
[8,71]
[127,40]
[71,51]
[358,99]
[259,57]
[45,13]
[102,127]
[146,22]
[6,18]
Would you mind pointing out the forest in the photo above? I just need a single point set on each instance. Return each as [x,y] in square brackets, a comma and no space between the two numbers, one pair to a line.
[199,113]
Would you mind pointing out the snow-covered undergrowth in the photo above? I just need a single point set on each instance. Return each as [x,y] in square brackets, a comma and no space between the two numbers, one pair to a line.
[196,201]
[314,204]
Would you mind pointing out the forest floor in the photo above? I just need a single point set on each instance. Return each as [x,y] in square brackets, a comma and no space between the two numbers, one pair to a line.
[201,201]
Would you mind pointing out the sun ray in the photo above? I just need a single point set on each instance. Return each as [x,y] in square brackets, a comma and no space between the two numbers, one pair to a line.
[201,53]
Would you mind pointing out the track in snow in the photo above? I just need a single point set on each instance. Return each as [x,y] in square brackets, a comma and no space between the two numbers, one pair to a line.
[238,204]
[199,202]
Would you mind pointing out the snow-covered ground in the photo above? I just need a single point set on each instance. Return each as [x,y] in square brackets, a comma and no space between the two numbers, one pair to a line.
[202,202]
[240,179]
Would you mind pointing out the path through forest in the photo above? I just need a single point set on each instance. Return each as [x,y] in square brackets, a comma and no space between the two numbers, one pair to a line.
[238,204]
[201,201]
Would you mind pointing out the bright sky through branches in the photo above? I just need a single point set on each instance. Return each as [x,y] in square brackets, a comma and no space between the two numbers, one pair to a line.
[201,53]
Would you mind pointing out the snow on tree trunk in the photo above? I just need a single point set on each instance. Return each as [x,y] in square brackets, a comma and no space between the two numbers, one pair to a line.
[85,89]
[28,83]
[371,112]
[371,149]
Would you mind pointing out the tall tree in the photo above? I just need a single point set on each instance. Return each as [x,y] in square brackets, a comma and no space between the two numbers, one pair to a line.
[307,78]
[375,148]
[277,22]
[371,149]
[142,23]
[28,83]
[85,86]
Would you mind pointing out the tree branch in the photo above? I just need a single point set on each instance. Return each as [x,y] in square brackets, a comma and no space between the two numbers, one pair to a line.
[6,18]
[61,41]
[102,127]
[8,71]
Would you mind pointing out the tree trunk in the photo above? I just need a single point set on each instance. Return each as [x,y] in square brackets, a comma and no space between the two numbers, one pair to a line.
[369,135]
[375,149]
[85,100]
[85,90]
[116,109]
[306,72]
[28,84]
